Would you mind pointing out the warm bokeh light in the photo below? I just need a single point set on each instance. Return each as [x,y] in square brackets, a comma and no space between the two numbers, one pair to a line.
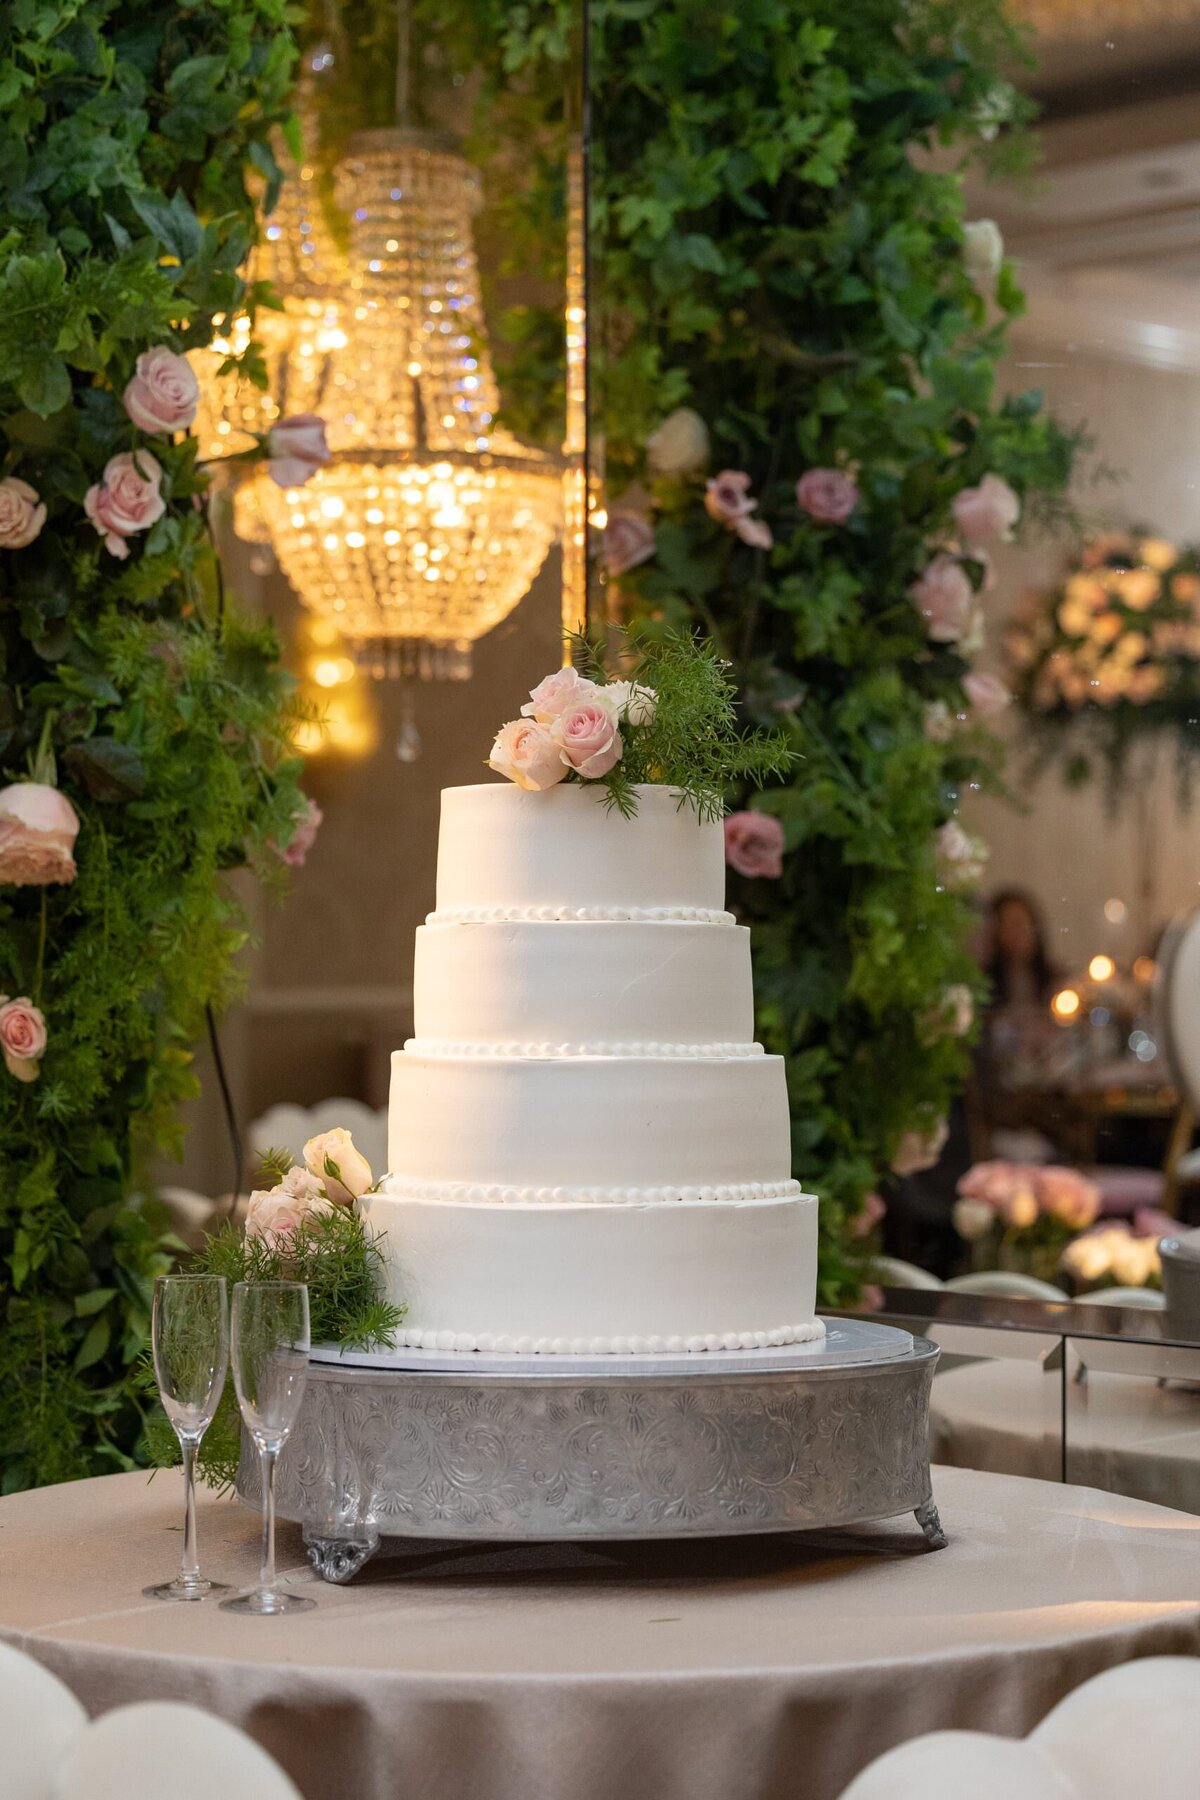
[1102,968]
[329,671]
[1116,911]
[1144,969]
[1065,1004]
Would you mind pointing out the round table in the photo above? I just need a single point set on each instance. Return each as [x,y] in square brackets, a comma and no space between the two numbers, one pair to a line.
[1124,1433]
[754,1669]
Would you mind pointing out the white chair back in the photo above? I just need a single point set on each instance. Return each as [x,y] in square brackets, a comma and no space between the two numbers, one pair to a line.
[162,1747]
[1149,1299]
[890,1271]
[290,1127]
[1177,1004]
[40,1720]
[1006,1285]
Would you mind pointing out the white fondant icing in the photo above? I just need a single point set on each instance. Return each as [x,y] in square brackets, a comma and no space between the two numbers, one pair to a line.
[618,1122]
[710,1276]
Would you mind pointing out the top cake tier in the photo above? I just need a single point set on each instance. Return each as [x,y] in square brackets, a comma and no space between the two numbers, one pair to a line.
[505,853]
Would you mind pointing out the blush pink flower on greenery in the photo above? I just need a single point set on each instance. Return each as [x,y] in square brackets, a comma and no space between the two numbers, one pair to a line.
[163,393]
[127,499]
[38,828]
[754,844]
[586,733]
[554,693]
[827,495]
[22,1037]
[987,694]
[870,1214]
[944,597]
[22,513]
[308,822]
[920,1148]
[727,500]
[629,541]
[1066,1194]
[524,752]
[987,513]
[296,449]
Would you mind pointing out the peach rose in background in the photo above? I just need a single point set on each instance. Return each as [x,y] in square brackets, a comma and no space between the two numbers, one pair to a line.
[163,393]
[944,598]
[38,828]
[586,733]
[22,1037]
[525,752]
[22,513]
[754,844]
[919,1150]
[987,694]
[333,1160]
[727,500]
[680,445]
[308,823]
[983,251]
[629,541]
[126,499]
[1067,1194]
[296,449]
[827,495]
[987,513]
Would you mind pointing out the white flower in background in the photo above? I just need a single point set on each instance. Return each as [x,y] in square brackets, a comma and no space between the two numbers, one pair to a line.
[939,722]
[973,1219]
[680,445]
[953,1015]
[636,704]
[961,858]
[983,251]
[343,1171]
[918,1150]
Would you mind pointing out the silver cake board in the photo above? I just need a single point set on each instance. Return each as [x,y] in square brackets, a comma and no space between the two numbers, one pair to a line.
[473,1448]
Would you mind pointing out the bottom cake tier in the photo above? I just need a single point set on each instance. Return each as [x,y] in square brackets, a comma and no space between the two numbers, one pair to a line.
[597,1279]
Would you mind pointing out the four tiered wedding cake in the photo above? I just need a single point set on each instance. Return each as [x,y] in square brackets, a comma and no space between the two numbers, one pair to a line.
[589,1153]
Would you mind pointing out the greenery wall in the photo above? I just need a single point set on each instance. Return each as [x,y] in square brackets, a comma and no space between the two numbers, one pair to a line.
[124,219]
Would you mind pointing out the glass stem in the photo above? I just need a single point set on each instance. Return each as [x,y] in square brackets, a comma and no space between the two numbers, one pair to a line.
[266,1574]
[189,1568]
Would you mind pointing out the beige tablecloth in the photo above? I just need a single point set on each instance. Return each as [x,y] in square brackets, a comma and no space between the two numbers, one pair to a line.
[759,1670]
[1125,1433]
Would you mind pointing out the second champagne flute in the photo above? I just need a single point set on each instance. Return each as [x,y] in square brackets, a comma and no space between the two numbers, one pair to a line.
[270,1345]
[190,1340]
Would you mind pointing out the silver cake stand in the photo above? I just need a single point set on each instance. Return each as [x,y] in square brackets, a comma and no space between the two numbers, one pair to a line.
[422,1444]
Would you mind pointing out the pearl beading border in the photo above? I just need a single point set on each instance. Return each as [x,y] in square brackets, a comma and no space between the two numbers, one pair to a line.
[500,1344]
[453,1193]
[444,1047]
[560,915]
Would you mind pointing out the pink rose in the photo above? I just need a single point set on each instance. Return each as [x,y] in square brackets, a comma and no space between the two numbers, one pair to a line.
[297,449]
[126,500]
[1067,1195]
[871,1299]
[276,1214]
[987,694]
[525,752]
[727,500]
[990,1182]
[871,1213]
[987,512]
[308,823]
[22,513]
[556,692]
[22,1037]
[827,495]
[38,828]
[629,540]
[587,735]
[163,394]
[943,597]
[919,1150]
[754,844]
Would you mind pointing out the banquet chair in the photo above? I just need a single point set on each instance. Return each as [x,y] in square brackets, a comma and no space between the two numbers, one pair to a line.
[290,1127]
[890,1271]
[1149,1299]
[1005,1283]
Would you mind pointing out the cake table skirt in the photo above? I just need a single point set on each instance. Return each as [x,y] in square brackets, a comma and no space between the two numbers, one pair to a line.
[757,1669]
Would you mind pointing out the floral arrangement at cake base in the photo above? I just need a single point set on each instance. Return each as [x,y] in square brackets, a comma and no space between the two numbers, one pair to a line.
[306,1226]
[1109,658]
[1021,1216]
[1119,1254]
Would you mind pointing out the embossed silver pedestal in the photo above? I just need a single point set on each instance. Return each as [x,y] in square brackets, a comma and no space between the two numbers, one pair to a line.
[424,1444]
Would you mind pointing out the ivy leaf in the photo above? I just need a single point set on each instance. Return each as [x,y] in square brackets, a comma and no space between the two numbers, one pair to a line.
[94,1301]
[109,770]
[94,1345]
[173,222]
[46,388]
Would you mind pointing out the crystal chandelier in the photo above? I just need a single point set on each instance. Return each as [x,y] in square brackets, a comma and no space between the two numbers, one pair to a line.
[431,522]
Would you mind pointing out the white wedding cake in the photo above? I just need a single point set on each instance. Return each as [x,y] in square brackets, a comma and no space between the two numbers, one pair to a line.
[589,1154]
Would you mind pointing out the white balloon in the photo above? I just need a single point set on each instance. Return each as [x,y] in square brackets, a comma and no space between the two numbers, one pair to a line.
[1133,1730]
[40,1719]
[160,1747]
[948,1765]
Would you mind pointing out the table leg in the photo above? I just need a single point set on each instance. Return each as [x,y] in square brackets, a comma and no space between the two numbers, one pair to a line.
[927,1518]
[339,1559]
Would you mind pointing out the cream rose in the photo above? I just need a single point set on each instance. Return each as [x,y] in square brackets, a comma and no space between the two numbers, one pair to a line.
[944,597]
[22,513]
[274,1215]
[38,827]
[525,752]
[983,251]
[586,733]
[680,445]
[22,1037]
[556,692]
[973,1219]
[163,393]
[988,513]
[296,449]
[636,704]
[332,1158]
[920,1150]
[126,499]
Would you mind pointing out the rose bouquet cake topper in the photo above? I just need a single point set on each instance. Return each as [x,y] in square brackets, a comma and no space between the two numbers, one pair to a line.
[671,720]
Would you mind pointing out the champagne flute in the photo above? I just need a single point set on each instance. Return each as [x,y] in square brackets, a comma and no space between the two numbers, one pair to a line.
[190,1341]
[270,1368]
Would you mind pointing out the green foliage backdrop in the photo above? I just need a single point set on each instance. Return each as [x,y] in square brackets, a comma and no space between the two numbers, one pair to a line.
[124,220]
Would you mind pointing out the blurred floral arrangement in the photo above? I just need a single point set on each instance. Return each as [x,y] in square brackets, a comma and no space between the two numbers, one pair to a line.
[1117,1254]
[1022,1216]
[1111,655]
